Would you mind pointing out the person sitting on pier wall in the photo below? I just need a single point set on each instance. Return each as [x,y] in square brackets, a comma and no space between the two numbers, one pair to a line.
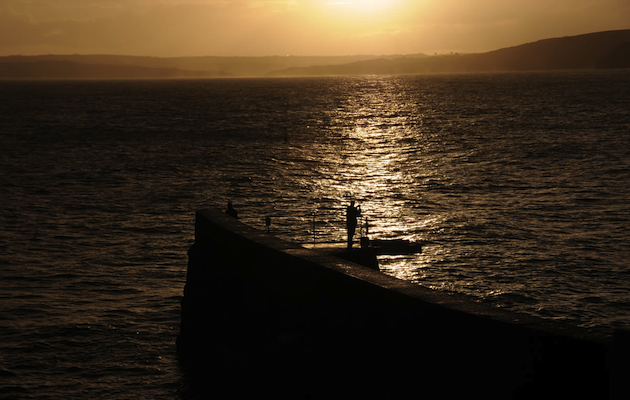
[231,211]
[352,213]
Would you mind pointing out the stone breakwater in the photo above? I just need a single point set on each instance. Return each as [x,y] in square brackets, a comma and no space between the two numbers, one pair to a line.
[266,316]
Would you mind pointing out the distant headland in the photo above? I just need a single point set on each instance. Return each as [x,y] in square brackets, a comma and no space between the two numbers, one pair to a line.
[601,50]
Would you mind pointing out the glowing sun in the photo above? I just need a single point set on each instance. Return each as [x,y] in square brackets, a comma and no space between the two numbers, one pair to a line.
[363,5]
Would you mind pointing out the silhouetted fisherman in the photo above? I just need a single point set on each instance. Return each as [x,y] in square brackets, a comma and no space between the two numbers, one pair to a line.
[267,223]
[231,211]
[352,213]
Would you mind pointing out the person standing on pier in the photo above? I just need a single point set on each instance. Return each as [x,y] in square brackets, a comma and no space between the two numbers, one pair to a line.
[352,213]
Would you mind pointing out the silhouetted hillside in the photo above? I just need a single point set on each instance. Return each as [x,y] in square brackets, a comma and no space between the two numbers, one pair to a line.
[596,50]
[574,52]
[53,69]
[205,66]
[618,58]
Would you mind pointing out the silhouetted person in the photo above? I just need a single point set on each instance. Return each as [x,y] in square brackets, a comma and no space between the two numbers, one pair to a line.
[352,213]
[267,223]
[231,211]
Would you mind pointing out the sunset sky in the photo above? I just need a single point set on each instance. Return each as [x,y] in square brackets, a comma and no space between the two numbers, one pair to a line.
[169,28]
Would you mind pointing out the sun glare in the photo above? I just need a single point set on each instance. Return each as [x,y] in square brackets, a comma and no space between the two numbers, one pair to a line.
[360,6]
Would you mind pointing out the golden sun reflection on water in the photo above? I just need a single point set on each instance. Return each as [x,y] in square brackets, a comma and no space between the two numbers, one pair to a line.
[368,160]
[371,158]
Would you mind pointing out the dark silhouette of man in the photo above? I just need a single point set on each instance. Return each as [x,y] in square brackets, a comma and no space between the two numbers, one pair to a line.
[352,213]
[231,211]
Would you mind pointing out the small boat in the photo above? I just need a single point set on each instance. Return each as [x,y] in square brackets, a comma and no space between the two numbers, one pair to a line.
[392,246]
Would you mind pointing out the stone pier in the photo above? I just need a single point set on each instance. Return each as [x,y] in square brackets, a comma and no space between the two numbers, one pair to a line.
[264,316]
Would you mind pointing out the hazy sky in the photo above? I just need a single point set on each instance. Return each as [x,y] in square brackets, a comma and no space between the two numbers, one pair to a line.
[296,27]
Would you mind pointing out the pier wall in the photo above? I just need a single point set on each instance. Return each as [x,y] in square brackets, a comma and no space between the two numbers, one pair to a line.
[267,315]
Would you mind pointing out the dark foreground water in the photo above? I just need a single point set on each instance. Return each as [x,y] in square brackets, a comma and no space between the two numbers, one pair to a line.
[519,184]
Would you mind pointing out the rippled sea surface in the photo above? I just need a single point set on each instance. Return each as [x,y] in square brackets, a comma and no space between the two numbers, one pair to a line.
[518,184]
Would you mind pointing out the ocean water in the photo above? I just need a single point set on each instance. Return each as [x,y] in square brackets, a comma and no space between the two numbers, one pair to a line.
[517,183]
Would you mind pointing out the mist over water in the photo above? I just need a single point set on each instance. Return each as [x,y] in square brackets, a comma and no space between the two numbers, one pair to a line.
[518,184]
